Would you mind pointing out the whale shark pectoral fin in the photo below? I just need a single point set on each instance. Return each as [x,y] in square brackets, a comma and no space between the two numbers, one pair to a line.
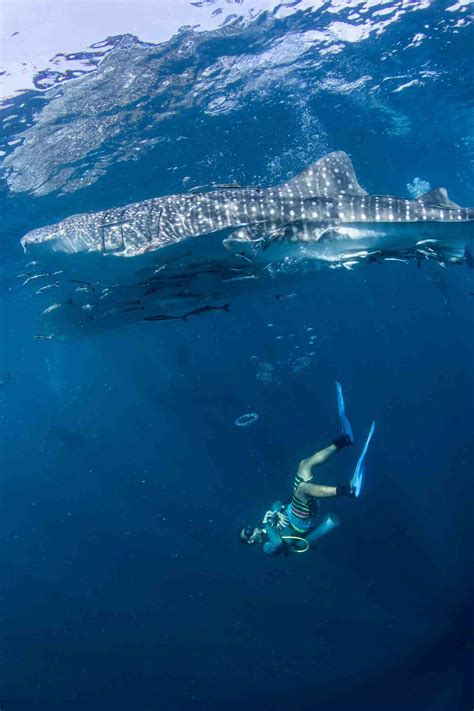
[438,198]
[331,175]
[241,236]
[248,239]
[299,231]
[330,234]
[244,241]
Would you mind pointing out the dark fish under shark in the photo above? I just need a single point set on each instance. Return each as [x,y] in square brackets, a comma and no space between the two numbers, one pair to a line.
[196,246]
[4,381]
[184,317]
[163,317]
[206,309]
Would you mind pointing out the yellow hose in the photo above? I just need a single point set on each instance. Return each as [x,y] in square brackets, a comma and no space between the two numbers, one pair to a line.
[297,538]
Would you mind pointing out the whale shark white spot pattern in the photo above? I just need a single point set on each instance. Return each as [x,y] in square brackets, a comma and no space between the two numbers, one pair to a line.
[322,216]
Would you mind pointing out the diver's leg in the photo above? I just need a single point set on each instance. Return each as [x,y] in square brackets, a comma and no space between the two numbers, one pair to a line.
[307,490]
[303,487]
[305,467]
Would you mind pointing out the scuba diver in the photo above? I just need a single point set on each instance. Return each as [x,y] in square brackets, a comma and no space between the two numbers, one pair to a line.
[295,525]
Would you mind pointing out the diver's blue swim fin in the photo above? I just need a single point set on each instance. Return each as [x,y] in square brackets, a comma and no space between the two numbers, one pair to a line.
[345,424]
[329,522]
[360,466]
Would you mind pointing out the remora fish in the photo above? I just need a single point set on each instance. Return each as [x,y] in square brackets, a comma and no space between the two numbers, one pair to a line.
[321,214]
[205,309]
[4,381]
[164,317]
[195,312]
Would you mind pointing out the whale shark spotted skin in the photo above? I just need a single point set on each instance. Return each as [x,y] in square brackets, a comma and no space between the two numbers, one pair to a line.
[324,203]
[184,249]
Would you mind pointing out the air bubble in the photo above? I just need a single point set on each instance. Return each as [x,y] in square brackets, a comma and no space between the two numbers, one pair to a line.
[246,420]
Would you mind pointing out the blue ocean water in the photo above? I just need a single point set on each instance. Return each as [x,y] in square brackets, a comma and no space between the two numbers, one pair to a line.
[124,480]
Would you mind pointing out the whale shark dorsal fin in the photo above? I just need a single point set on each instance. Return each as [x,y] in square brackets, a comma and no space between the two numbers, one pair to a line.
[439,198]
[330,176]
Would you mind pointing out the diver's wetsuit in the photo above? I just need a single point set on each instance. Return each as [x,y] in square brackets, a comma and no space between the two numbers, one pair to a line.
[303,520]
[285,540]
[302,514]
[303,517]
[290,539]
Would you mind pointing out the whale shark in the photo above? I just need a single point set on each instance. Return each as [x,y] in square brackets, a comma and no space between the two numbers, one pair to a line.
[188,248]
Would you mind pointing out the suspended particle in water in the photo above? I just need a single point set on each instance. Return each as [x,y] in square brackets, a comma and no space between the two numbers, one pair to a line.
[300,364]
[245,420]
[265,372]
[285,296]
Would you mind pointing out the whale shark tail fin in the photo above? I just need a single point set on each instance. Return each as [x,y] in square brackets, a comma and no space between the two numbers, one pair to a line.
[330,176]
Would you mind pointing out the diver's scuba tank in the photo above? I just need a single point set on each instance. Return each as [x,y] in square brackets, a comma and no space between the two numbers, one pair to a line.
[329,522]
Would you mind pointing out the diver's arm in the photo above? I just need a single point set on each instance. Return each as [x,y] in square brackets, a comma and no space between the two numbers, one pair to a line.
[274,545]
